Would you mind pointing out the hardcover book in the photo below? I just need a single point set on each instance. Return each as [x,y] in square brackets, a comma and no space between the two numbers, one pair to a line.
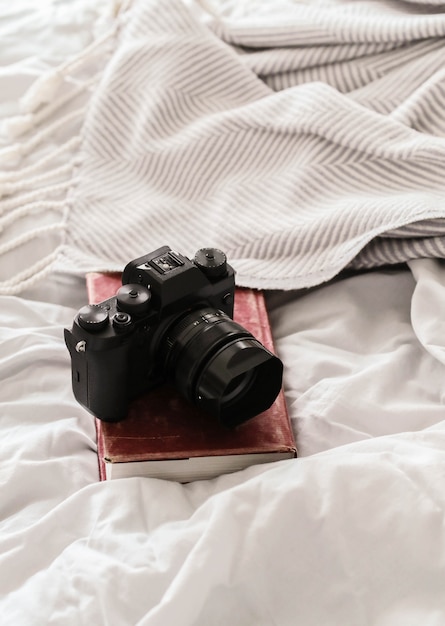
[164,436]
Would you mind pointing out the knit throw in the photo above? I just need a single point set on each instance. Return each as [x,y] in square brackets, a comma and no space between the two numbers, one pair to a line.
[301,139]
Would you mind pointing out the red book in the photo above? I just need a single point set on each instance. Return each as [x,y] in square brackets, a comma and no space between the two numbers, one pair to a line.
[164,436]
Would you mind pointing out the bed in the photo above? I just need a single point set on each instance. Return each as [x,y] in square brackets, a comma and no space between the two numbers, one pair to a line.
[307,140]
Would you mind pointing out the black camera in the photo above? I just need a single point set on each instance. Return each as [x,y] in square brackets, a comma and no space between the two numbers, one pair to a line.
[171,321]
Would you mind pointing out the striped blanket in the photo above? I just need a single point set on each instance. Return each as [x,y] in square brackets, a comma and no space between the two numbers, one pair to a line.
[302,139]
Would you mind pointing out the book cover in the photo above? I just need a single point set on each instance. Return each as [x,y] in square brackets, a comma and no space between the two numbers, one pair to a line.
[165,436]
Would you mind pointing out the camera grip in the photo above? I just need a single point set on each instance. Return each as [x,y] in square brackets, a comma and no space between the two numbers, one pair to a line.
[107,384]
[99,376]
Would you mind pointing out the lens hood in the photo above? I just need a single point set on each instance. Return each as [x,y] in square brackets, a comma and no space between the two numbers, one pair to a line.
[218,365]
[240,381]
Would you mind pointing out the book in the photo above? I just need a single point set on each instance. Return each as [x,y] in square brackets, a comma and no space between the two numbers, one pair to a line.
[164,436]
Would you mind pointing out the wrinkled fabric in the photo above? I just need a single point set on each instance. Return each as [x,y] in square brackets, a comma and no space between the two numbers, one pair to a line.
[324,536]
[300,139]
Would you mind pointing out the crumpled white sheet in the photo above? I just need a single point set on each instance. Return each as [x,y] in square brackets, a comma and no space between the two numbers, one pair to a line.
[357,366]
[349,537]
[352,535]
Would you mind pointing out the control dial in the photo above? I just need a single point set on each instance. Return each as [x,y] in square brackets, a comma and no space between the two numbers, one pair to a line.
[212,262]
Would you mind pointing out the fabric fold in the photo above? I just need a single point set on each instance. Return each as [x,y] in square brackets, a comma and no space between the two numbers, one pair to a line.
[186,144]
[295,142]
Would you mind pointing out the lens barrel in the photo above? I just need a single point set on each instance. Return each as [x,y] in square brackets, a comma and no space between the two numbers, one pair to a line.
[218,365]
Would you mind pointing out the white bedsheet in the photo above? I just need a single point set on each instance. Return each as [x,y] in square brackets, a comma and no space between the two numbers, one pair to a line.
[352,532]
[353,535]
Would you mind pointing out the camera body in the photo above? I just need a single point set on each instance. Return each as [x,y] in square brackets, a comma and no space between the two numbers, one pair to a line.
[170,320]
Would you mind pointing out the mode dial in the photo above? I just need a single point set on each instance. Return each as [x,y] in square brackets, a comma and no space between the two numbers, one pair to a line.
[134,299]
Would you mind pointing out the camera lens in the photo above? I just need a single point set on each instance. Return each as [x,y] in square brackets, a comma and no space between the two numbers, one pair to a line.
[238,385]
[219,365]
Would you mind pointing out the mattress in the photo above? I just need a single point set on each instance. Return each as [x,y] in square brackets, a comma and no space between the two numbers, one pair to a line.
[350,532]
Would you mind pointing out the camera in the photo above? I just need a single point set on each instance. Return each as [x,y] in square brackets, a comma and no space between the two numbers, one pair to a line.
[171,321]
